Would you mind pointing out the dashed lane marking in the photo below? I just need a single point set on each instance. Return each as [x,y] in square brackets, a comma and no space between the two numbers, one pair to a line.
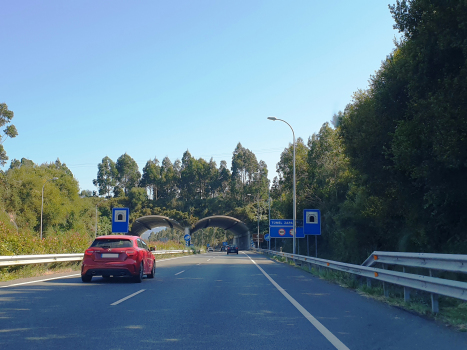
[128,297]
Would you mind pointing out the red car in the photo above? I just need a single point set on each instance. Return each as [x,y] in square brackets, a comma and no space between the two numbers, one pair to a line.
[118,255]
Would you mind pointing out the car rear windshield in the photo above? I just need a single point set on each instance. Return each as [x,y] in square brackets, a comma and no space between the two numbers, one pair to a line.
[112,243]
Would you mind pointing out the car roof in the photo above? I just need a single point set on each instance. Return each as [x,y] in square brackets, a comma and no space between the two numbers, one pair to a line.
[118,237]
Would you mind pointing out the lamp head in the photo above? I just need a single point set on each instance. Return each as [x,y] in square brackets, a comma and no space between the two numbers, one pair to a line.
[272,118]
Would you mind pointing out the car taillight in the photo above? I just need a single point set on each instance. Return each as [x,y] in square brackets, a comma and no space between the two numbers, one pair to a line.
[130,252]
[88,252]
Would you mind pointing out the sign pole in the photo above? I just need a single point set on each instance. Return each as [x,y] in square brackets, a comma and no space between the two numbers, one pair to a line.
[307,245]
[316,246]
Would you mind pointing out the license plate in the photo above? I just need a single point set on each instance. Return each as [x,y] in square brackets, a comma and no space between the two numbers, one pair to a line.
[109,255]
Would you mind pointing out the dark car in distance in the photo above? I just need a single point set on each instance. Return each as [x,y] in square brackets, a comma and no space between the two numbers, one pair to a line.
[232,249]
[118,255]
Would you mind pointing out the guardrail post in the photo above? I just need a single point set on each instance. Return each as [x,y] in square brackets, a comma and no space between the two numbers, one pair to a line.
[368,282]
[406,290]
[434,298]
[385,286]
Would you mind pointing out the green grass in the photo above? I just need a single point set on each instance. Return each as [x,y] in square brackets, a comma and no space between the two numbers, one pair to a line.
[34,270]
[452,312]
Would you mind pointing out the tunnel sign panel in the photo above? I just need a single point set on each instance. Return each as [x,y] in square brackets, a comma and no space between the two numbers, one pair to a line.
[120,220]
[280,228]
[312,222]
[187,237]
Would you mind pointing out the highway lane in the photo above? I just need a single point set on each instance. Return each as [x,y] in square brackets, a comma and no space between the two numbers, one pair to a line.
[209,301]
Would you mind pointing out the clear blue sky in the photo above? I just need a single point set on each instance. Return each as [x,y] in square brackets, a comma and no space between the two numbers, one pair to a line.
[89,79]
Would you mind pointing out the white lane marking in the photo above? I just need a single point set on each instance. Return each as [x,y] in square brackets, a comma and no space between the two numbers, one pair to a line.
[179,257]
[178,273]
[198,264]
[48,279]
[128,297]
[209,259]
[323,330]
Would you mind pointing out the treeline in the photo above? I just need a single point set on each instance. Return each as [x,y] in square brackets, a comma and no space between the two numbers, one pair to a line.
[392,173]
[68,220]
[189,188]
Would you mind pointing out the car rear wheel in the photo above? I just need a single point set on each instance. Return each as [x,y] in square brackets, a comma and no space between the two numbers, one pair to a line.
[86,278]
[153,271]
[139,277]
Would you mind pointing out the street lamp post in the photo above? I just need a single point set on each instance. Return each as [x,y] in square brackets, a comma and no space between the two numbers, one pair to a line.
[294,184]
[258,221]
[42,202]
[269,217]
[257,213]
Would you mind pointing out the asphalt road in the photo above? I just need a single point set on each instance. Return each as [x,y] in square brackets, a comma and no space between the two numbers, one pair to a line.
[209,301]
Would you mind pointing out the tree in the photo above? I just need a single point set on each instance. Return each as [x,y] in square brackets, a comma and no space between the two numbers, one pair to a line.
[10,131]
[244,167]
[128,173]
[151,178]
[169,179]
[106,177]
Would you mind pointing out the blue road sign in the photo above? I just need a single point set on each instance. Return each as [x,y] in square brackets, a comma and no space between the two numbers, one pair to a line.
[312,222]
[120,220]
[224,243]
[187,237]
[280,228]
[207,245]
[267,237]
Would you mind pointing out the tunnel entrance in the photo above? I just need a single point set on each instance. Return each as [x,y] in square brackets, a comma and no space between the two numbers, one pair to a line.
[237,227]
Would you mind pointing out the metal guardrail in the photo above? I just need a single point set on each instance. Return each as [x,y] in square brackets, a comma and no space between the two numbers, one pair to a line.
[38,259]
[433,285]
[444,262]
[12,260]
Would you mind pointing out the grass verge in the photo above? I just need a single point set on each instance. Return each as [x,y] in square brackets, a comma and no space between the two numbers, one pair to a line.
[10,273]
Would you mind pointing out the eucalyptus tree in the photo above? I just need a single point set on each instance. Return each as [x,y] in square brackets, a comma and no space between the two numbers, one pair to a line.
[106,177]
[189,179]
[128,174]
[10,131]
[151,178]
[169,180]
[244,167]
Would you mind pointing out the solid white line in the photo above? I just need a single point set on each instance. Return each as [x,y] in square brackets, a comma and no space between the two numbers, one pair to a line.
[179,272]
[323,330]
[48,279]
[128,297]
